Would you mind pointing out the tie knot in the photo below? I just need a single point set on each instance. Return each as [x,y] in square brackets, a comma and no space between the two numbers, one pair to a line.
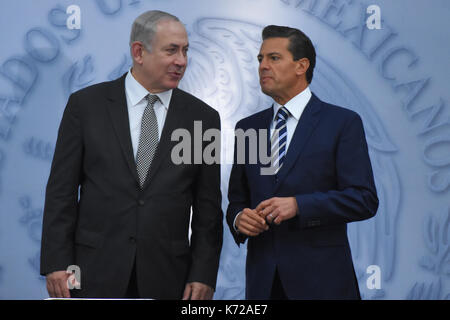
[282,113]
[151,98]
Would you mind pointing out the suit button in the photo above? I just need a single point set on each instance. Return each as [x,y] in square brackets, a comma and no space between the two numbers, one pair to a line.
[132,239]
[314,223]
[141,202]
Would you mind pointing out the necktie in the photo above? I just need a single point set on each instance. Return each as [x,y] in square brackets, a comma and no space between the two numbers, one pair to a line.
[278,140]
[148,140]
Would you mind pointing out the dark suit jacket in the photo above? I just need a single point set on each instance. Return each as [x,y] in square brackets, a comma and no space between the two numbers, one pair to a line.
[327,169]
[113,221]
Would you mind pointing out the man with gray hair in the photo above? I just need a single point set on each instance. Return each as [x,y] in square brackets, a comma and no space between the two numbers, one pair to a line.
[117,208]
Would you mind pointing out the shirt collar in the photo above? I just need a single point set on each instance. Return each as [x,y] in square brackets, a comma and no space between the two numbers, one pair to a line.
[136,92]
[296,105]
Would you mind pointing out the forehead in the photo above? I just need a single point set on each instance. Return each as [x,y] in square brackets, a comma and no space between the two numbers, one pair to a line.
[170,31]
[272,45]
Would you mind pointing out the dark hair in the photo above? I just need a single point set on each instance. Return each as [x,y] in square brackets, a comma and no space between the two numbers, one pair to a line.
[299,45]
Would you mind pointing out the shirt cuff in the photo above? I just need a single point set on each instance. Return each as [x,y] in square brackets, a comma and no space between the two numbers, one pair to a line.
[234,222]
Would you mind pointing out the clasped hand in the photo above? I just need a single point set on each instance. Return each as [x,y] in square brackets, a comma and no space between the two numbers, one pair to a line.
[252,222]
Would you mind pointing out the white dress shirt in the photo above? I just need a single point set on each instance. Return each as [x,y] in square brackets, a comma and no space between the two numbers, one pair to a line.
[137,103]
[295,106]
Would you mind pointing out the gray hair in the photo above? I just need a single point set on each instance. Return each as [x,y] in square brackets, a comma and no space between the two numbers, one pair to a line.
[144,27]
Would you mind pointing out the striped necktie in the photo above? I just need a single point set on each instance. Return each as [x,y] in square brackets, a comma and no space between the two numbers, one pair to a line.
[279,139]
[148,140]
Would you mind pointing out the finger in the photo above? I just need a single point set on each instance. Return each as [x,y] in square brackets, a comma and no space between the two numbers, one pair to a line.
[196,292]
[249,230]
[263,204]
[260,206]
[277,214]
[249,214]
[65,288]
[256,219]
[50,288]
[269,218]
[187,292]
[278,220]
[269,214]
[267,210]
[253,225]
[209,293]
[57,289]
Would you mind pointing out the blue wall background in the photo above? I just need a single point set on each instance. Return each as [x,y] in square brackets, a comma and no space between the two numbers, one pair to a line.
[396,78]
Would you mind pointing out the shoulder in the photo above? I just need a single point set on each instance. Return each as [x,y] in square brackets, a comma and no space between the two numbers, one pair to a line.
[98,94]
[193,104]
[99,89]
[95,97]
[335,113]
[254,119]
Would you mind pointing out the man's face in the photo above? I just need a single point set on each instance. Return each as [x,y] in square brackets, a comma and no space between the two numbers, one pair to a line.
[164,66]
[278,74]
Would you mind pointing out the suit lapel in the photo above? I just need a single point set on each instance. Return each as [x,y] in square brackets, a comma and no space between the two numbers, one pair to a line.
[265,181]
[118,111]
[266,121]
[303,131]
[174,115]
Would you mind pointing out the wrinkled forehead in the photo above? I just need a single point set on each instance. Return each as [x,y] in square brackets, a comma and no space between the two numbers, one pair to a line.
[274,45]
[171,31]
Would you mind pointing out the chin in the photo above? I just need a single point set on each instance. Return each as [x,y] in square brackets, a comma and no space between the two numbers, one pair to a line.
[266,91]
[171,85]
[174,82]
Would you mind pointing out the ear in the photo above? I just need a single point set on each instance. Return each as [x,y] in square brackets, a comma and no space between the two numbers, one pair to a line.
[302,66]
[137,51]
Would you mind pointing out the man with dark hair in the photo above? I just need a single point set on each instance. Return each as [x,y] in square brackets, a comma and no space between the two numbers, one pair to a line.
[127,230]
[296,219]
[300,46]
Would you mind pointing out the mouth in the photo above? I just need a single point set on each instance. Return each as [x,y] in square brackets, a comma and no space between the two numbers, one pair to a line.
[175,74]
[265,78]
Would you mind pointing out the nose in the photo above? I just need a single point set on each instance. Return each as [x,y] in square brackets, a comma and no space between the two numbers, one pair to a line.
[263,65]
[181,59]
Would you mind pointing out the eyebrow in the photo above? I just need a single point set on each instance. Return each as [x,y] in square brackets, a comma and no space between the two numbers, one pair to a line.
[269,54]
[176,45]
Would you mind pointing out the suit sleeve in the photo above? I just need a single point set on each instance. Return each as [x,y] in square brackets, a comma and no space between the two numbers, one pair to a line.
[61,199]
[207,226]
[355,197]
[238,195]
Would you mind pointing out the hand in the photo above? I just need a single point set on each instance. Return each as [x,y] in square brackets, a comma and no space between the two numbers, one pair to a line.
[277,210]
[250,223]
[57,286]
[197,291]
